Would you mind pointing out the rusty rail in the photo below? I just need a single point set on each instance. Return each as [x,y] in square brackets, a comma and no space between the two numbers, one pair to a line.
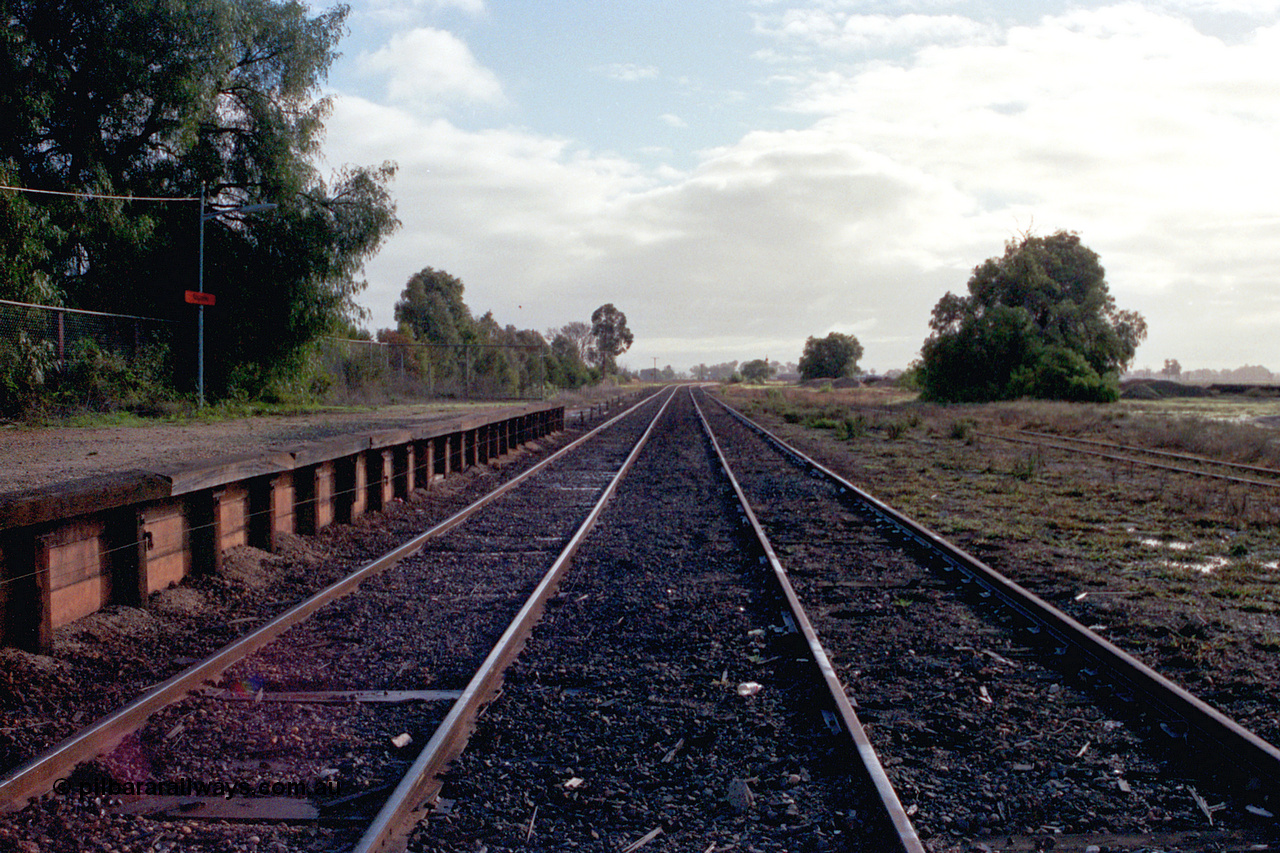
[1040,439]
[905,838]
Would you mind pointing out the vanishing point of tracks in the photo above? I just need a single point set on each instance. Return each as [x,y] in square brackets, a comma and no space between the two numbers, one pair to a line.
[674,695]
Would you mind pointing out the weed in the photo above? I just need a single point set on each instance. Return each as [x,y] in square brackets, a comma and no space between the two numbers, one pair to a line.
[851,428]
[962,429]
[1267,643]
[1027,466]
[818,422]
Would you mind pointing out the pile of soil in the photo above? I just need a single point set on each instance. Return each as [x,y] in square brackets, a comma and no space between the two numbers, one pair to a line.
[1160,389]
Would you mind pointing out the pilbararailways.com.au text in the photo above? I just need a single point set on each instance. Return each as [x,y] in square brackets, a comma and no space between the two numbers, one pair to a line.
[99,786]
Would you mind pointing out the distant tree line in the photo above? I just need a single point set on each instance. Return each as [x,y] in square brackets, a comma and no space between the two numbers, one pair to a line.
[722,372]
[1038,321]
[1249,374]
[455,346]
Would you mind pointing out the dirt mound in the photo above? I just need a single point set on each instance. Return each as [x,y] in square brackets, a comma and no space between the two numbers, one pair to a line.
[843,382]
[115,623]
[1159,389]
[244,566]
[294,548]
[179,601]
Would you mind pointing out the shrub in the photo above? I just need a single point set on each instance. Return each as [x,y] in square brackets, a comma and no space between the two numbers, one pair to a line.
[24,365]
[851,428]
[107,380]
[1058,373]
[1027,467]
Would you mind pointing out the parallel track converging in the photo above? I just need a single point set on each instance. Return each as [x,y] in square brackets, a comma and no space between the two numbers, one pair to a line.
[758,597]
[39,775]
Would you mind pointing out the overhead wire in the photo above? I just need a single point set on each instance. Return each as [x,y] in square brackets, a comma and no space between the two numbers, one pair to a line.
[86,194]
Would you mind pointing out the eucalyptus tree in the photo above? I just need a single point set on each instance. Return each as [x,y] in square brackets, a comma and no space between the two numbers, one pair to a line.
[172,98]
[611,336]
[832,357]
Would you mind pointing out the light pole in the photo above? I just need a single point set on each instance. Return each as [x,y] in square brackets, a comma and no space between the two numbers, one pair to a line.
[200,301]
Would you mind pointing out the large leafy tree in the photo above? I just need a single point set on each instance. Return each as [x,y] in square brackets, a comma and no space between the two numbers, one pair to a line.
[163,98]
[24,229]
[612,337]
[431,304]
[579,334]
[565,365]
[832,357]
[1039,321]
[758,370]
[432,308]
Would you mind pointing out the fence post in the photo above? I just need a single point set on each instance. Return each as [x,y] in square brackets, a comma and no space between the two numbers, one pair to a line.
[62,340]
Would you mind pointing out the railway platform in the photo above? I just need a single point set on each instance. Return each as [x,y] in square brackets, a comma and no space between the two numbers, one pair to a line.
[95,517]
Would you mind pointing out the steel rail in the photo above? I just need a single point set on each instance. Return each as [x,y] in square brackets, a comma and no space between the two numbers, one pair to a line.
[1165,454]
[37,776]
[1248,759]
[904,833]
[1168,454]
[420,783]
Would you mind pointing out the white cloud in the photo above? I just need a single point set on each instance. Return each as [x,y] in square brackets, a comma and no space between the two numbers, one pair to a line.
[673,120]
[1257,8]
[629,72]
[842,29]
[408,11]
[431,68]
[1153,140]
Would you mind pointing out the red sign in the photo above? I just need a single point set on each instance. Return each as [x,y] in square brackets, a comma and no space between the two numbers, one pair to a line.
[197,297]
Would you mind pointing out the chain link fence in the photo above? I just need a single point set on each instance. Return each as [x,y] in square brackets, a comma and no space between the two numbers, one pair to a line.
[91,359]
[86,357]
[65,333]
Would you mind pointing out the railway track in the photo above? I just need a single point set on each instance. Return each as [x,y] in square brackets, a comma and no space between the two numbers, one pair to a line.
[996,714]
[1181,463]
[676,694]
[319,713]
[671,699]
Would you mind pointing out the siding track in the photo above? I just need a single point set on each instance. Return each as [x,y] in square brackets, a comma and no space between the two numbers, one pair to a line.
[995,714]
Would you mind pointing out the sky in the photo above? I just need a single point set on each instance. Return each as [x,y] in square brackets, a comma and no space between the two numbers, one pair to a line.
[739,175]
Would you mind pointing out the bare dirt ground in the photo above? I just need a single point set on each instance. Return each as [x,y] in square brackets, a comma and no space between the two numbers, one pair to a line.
[30,458]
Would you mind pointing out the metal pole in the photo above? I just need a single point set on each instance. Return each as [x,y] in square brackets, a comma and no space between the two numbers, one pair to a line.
[200,314]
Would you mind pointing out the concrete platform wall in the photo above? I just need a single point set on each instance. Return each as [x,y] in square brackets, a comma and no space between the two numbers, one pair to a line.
[67,552]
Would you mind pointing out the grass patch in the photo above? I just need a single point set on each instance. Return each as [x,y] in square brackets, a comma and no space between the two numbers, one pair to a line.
[852,428]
